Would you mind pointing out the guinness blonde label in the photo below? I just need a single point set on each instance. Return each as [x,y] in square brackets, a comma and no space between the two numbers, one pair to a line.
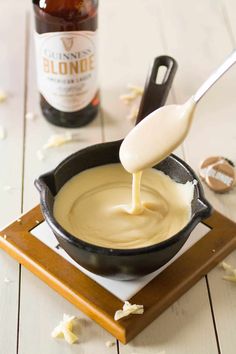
[67,68]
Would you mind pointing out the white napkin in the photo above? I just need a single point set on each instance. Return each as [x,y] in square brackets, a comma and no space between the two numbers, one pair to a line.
[124,290]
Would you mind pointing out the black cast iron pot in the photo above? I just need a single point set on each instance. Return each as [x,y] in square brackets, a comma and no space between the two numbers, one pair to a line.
[121,263]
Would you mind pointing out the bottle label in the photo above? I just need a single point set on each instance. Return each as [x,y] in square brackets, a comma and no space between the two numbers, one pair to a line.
[67,68]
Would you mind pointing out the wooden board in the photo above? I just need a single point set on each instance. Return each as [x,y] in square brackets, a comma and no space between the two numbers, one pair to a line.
[98,303]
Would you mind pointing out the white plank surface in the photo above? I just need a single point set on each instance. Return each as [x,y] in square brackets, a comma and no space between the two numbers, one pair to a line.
[214,128]
[12,112]
[41,311]
[228,110]
[200,42]
[12,60]
[222,292]
[128,62]
[177,329]
[199,34]
[9,283]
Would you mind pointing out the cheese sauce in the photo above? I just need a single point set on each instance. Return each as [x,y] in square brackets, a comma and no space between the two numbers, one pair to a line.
[97,206]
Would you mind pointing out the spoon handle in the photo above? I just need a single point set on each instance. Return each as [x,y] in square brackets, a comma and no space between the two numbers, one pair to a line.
[215,76]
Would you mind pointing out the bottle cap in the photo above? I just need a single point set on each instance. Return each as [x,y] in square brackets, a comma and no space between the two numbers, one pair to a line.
[218,173]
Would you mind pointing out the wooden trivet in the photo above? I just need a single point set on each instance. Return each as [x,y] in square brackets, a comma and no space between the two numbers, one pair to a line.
[98,303]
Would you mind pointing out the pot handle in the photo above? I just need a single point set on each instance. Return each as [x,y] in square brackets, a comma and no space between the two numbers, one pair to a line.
[155,94]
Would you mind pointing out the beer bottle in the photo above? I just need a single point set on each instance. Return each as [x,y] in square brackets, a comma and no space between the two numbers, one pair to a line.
[66,59]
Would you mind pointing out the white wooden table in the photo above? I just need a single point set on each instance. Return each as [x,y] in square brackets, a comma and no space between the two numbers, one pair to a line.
[199,34]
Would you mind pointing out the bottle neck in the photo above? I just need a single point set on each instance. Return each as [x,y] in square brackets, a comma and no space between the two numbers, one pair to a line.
[81,6]
[65,15]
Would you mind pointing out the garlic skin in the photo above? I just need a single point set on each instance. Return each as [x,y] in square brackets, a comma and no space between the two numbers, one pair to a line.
[58,140]
[30,116]
[110,344]
[65,330]
[127,310]
[3,96]
[230,272]
[40,155]
[131,99]
[3,133]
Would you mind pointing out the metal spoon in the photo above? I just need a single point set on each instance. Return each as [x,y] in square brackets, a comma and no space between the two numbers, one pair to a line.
[162,131]
[215,76]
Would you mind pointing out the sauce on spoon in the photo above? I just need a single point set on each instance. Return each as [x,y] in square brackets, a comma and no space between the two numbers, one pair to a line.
[155,137]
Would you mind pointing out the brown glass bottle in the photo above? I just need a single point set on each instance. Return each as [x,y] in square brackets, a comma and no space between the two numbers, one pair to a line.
[67,60]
